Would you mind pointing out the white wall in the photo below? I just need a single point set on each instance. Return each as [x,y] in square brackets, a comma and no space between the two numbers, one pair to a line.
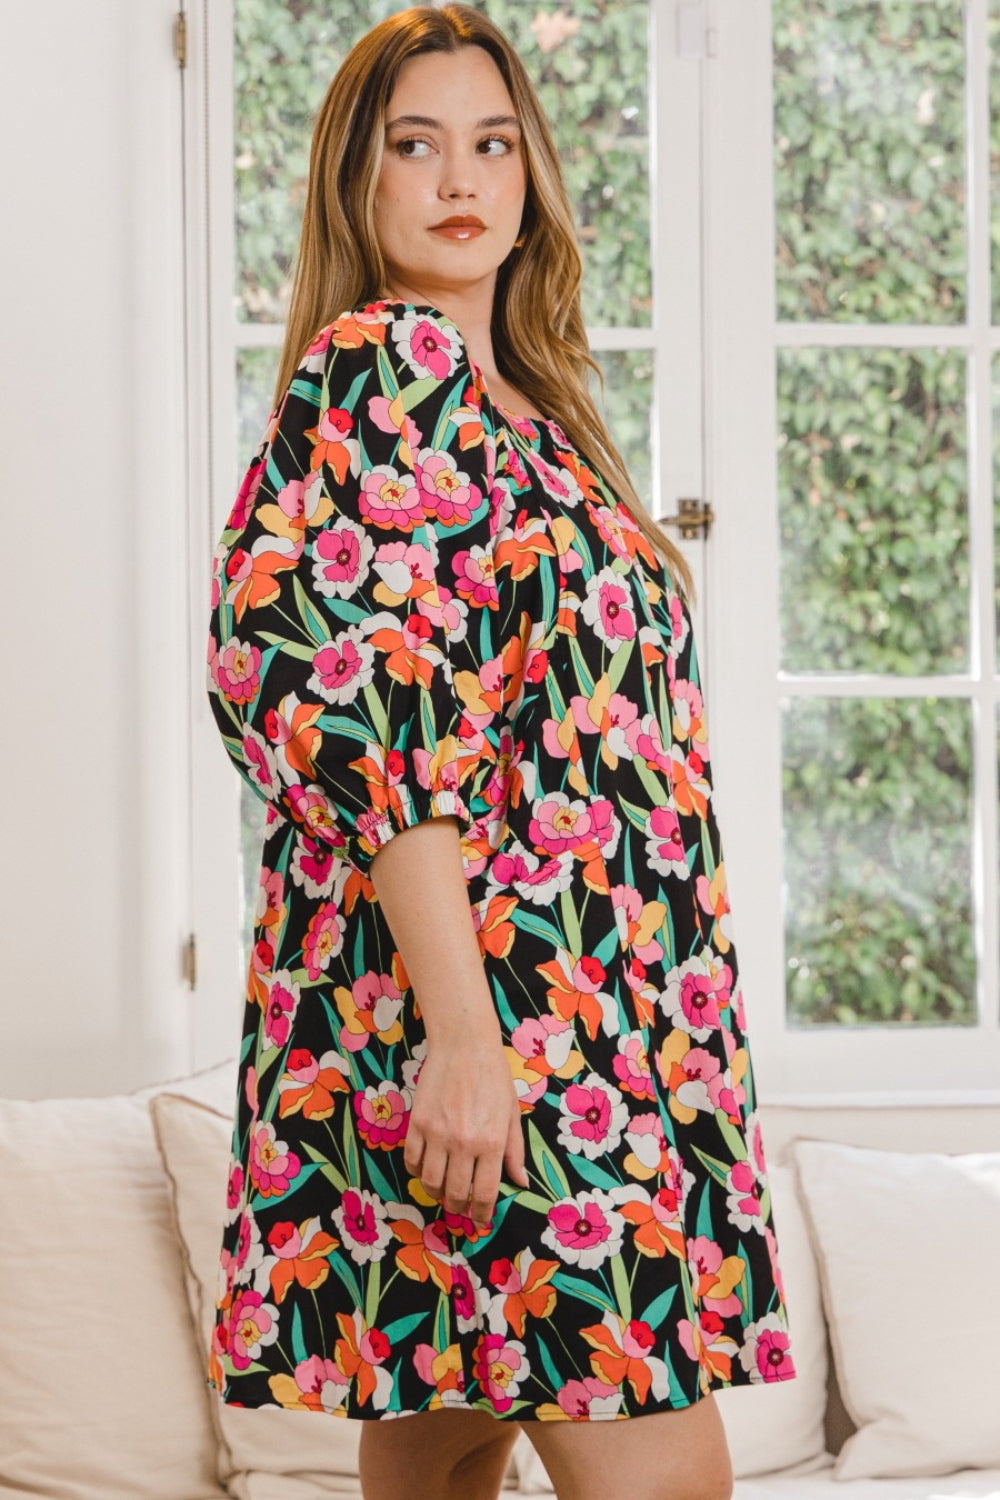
[94,886]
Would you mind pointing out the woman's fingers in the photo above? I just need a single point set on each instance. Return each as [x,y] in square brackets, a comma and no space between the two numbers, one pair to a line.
[514,1151]
[485,1186]
[435,1170]
[458,1183]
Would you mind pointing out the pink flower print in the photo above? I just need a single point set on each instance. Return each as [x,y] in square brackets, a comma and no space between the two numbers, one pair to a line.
[536,880]
[592,1117]
[237,671]
[696,992]
[755,1146]
[715,1276]
[369,1008]
[608,608]
[560,824]
[446,493]
[361,1219]
[313,866]
[249,1247]
[631,1066]
[766,1349]
[324,938]
[320,1384]
[279,1010]
[406,570]
[544,1041]
[713,898]
[343,667]
[665,842]
[310,806]
[383,1115]
[742,1197]
[243,504]
[499,1364]
[465,1296]
[342,557]
[689,714]
[234,1192]
[426,346]
[272,1165]
[584,1230]
[650,1152]
[679,626]
[253,1323]
[390,499]
[260,761]
[694,1077]
[588,1399]
[475,580]
[645,738]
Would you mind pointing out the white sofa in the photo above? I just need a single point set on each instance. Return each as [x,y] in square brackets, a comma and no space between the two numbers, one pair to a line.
[889,1228]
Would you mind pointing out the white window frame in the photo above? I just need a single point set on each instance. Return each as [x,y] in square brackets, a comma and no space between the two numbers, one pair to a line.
[870,1064]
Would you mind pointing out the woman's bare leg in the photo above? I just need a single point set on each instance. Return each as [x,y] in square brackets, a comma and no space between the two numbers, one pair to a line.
[670,1455]
[447,1454]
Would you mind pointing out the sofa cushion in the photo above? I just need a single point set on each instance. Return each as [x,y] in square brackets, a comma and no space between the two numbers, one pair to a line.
[906,1244]
[101,1393]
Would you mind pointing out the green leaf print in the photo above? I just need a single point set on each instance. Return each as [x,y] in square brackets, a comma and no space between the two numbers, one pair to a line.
[530,921]
[534,1202]
[732,1137]
[339,1264]
[596,1175]
[399,1328]
[619,664]
[373,1290]
[547,1160]
[587,1291]
[718,1169]
[623,1292]
[259,1201]
[379,1181]
[549,1366]
[657,1310]
[327,1168]
[379,717]
[571,924]
[299,1350]
[580,668]
[310,614]
[351,1162]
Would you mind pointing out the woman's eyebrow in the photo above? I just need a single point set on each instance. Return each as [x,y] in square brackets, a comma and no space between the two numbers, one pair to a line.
[491,122]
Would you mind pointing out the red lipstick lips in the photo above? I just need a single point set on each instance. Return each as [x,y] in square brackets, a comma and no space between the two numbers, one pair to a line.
[460,227]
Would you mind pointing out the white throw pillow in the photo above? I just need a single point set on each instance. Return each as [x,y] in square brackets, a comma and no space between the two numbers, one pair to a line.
[768,1427]
[908,1245]
[101,1393]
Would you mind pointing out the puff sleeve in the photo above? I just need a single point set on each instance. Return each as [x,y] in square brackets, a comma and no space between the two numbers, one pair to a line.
[360,669]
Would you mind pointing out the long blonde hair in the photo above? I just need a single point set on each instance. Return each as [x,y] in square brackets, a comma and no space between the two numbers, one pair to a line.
[539,339]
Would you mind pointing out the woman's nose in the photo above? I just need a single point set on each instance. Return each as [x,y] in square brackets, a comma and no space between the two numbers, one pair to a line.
[457,178]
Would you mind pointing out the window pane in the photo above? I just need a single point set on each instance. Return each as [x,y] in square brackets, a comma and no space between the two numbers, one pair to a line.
[589,61]
[996,492]
[878,834]
[285,54]
[627,405]
[873,510]
[869,149]
[993,35]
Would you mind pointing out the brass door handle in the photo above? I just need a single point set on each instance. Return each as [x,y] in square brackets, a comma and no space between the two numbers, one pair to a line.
[694,517]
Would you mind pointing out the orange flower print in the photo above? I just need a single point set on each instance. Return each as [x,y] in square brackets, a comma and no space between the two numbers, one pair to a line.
[316,1385]
[426,1251]
[575,989]
[444,1372]
[523,1289]
[360,1354]
[298,1254]
[333,445]
[291,729]
[623,1352]
[309,1084]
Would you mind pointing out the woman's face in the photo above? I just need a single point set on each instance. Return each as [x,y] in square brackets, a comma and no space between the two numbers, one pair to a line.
[453,150]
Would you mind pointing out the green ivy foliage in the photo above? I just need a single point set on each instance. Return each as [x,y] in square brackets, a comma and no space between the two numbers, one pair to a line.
[869,158]
[873,510]
[588,60]
[878,840]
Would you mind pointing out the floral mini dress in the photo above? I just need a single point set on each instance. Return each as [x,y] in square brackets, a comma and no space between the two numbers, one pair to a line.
[424,606]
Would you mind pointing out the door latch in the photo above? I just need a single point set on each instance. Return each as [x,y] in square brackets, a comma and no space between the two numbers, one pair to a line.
[694,518]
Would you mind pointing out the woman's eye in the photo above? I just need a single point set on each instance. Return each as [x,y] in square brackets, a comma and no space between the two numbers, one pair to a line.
[496,145]
[412,147]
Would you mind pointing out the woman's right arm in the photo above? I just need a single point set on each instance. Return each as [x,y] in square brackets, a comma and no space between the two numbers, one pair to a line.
[465,1121]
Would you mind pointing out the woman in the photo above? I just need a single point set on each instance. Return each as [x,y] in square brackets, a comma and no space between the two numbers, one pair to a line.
[496,1152]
